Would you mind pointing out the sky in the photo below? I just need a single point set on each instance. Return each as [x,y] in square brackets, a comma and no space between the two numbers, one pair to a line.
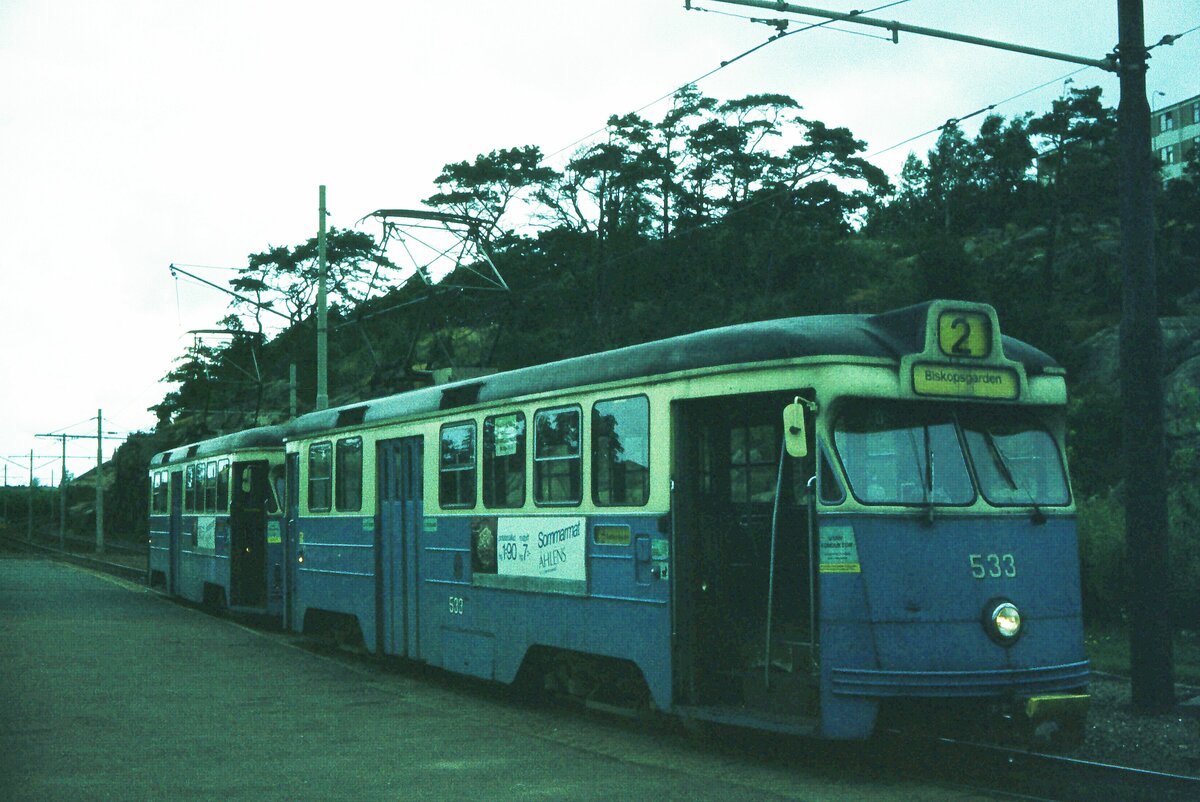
[136,134]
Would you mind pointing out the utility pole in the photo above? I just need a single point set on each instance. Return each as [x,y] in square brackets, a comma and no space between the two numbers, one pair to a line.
[322,312]
[1144,445]
[99,437]
[99,481]
[29,534]
[1141,371]
[62,500]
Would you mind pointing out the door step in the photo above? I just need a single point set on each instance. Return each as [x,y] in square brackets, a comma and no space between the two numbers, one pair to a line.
[741,716]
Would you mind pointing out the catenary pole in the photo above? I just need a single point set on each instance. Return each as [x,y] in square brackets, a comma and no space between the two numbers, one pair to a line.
[1141,372]
[322,313]
[29,534]
[1141,359]
[99,481]
[62,500]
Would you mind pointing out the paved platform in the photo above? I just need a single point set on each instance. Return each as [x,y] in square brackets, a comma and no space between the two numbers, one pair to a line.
[110,691]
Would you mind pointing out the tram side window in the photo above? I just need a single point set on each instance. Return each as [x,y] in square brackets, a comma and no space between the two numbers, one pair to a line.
[456,466]
[223,486]
[210,487]
[557,461]
[319,478]
[621,451]
[348,490]
[189,495]
[504,460]
[160,499]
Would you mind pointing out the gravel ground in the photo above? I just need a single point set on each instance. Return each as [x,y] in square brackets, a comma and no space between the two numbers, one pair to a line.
[1118,734]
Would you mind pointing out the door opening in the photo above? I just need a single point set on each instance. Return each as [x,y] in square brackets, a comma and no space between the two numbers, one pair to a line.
[249,506]
[729,460]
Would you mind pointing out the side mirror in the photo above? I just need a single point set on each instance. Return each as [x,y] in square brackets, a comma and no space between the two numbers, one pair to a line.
[795,437]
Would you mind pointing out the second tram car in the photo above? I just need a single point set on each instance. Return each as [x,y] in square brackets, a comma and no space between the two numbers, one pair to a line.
[791,525]
[216,523]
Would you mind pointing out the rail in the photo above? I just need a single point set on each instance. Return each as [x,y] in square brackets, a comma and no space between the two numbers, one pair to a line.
[1045,776]
[117,569]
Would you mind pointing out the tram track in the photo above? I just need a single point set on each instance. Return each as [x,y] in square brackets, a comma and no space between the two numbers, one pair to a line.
[129,572]
[1006,770]
[1037,775]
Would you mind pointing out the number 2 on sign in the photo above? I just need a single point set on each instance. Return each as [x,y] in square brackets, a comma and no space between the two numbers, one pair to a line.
[993,565]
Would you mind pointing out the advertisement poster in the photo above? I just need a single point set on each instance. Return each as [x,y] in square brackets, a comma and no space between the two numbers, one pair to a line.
[542,548]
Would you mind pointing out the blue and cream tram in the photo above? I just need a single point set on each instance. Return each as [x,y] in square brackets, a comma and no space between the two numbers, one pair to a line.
[793,524]
[216,521]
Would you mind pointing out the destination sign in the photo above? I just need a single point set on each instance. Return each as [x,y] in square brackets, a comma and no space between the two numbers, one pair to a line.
[965,382]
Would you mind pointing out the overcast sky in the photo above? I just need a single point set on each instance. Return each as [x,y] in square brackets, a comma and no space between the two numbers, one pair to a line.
[139,133]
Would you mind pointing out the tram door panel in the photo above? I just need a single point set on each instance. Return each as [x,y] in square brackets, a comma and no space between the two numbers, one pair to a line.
[251,495]
[291,545]
[397,547]
[727,468]
[175,534]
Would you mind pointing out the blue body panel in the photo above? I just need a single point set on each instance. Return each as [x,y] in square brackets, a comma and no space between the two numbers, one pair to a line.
[160,545]
[625,613]
[910,623]
[338,570]
[199,566]
[487,631]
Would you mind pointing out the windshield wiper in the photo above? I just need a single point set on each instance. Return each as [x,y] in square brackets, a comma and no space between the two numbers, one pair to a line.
[926,472]
[1001,461]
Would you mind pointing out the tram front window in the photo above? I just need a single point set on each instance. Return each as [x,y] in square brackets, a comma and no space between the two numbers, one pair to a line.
[1015,459]
[911,453]
[902,453]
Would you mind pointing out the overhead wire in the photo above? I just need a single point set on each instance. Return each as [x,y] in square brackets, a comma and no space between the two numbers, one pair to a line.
[728,62]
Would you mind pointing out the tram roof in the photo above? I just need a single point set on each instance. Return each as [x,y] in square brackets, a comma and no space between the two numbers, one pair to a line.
[262,437]
[890,335]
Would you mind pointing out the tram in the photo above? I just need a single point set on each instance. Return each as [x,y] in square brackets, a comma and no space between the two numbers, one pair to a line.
[802,525]
[216,521]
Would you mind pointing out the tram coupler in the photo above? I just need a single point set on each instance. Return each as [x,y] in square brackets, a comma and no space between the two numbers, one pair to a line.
[1057,719]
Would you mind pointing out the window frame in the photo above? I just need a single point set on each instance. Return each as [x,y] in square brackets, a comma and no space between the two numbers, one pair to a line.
[210,487]
[472,469]
[189,489]
[488,460]
[325,446]
[595,455]
[340,502]
[538,462]
[223,476]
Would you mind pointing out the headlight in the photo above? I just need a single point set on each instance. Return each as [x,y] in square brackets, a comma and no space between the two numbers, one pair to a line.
[1002,620]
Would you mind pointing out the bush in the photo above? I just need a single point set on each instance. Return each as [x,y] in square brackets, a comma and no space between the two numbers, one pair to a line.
[1106,582]
[1103,567]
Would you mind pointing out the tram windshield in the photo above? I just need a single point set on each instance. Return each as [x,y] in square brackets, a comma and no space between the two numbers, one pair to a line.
[897,452]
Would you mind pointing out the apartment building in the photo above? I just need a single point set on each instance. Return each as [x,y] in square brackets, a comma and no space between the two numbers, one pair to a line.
[1175,135]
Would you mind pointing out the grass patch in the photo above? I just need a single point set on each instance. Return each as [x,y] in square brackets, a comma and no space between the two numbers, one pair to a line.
[1108,649]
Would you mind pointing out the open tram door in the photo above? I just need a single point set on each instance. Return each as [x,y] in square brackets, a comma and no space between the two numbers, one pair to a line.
[745,645]
[291,542]
[250,504]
